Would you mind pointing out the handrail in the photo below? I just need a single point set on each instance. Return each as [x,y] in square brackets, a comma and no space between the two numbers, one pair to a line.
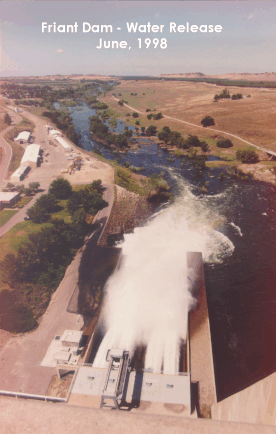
[31,396]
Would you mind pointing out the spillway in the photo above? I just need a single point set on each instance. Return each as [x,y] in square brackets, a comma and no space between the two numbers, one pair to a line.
[148,297]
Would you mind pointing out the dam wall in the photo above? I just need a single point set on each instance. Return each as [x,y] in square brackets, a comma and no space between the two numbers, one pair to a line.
[201,354]
[255,404]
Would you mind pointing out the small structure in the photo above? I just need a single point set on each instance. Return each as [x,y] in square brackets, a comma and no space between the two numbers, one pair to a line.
[17,110]
[115,376]
[71,338]
[31,155]
[8,199]
[19,174]
[55,133]
[64,351]
[63,143]
[22,137]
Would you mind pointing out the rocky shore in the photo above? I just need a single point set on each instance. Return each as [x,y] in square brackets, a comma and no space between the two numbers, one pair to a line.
[129,210]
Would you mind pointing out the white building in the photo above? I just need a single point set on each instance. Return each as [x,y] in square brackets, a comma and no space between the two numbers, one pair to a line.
[8,199]
[24,136]
[56,133]
[18,175]
[31,155]
[63,143]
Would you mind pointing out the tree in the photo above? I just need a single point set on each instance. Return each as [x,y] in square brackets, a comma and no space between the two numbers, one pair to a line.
[150,116]
[34,186]
[7,119]
[177,140]
[60,188]
[27,191]
[148,110]
[204,146]
[42,208]
[157,116]
[10,186]
[121,102]
[247,156]
[151,130]
[164,136]
[20,188]
[225,93]
[79,221]
[192,141]
[224,143]
[90,201]
[135,115]
[96,186]
[207,121]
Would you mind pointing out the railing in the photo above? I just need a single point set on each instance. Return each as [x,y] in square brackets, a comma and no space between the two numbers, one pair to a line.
[31,396]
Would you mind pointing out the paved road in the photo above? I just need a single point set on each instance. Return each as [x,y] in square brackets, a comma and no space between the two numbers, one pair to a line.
[204,128]
[7,149]
[20,358]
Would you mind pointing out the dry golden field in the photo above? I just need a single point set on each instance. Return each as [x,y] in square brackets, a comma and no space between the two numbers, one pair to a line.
[252,118]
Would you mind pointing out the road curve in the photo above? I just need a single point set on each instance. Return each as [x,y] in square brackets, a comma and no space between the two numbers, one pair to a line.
[204,128]
[7,149]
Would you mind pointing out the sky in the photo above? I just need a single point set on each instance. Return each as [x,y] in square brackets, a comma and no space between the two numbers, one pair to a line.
[247,42]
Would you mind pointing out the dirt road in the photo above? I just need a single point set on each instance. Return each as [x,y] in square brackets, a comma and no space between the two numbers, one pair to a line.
[203,128]
[7,149]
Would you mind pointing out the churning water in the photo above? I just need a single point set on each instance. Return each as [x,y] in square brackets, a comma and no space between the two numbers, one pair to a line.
[148,297]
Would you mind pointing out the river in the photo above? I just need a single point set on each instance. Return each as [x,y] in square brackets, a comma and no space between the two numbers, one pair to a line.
[240,285]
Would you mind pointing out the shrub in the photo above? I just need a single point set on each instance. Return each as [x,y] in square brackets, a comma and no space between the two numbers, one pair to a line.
[157,116]
[204,146]
[192,141]
[224,143]
[247,156]
[207,121]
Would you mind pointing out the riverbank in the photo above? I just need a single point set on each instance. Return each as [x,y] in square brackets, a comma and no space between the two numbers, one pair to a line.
[129,210]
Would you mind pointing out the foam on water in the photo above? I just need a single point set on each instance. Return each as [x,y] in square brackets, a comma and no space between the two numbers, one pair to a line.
[147,299]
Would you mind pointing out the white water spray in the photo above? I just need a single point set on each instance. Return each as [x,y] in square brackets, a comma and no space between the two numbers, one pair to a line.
[148,298]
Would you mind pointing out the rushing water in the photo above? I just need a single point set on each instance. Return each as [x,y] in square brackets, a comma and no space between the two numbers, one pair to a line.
[234,226]
[148,298]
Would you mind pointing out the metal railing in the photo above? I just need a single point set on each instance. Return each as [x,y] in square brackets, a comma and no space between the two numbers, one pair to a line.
[31,396]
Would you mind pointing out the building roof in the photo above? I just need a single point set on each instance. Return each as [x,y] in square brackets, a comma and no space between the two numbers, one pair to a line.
[73,336]
[22,169]
[31,153]
[63,143]
[24,135]
[7,196]
[56,133]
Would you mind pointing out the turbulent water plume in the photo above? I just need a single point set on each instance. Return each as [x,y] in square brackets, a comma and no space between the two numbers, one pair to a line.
[148,298]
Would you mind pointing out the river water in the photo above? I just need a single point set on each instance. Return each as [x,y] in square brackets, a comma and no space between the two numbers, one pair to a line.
[240,283]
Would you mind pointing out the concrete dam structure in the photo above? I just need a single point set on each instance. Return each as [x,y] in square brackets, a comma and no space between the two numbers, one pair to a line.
[125,382]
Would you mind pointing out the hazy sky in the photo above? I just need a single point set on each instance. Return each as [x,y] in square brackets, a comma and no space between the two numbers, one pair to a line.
[247,42]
